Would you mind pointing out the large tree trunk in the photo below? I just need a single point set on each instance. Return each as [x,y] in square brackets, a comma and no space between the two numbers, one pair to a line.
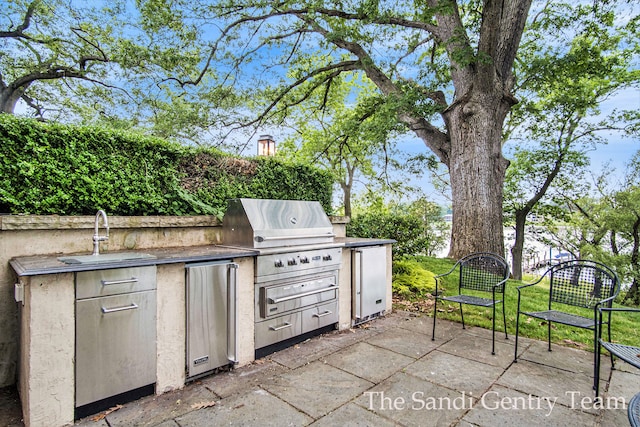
[518,246]
[477,170]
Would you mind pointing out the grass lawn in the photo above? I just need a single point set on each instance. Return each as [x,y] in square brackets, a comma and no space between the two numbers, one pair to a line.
[625,328]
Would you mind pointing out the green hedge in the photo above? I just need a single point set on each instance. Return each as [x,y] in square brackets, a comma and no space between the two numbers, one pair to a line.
[406,229]
[49,168]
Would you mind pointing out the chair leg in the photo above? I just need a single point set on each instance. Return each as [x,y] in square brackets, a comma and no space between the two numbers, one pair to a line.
[504,320]
[596,348]
[515,356]
[596,369]
[549,334]
[493,332]
[435,310]
[609,332]
[462,316]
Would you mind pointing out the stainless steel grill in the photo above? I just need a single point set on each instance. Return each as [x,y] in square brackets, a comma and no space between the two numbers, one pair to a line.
[296,273]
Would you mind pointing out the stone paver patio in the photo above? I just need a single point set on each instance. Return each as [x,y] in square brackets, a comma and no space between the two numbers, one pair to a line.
[388,373]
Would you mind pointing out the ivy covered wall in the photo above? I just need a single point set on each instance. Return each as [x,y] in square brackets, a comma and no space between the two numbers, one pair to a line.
[50,168]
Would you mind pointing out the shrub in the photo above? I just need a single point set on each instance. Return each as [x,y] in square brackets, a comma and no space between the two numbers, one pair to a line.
[411,280]
[406,229]
[49,168]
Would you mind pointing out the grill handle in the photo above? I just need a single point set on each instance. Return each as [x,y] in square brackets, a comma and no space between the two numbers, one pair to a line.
[119,282]
[304,294]
[299,236]
[279,328]
[131,306]
[326,313]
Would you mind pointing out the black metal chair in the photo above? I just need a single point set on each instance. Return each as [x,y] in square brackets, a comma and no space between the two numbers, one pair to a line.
[633,411]
[576,283]
[480,271]
[628,353]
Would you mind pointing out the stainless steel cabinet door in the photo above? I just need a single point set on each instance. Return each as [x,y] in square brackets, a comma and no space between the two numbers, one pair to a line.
[369,269]
[211,316]
[115,345]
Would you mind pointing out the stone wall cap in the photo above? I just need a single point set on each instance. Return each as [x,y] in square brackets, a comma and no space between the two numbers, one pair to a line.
[61,222]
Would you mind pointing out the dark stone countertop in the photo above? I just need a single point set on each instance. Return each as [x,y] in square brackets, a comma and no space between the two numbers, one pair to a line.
[50,264]
[357,242]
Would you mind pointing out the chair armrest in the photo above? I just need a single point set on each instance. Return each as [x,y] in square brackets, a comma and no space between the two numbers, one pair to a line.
[448,272]
[526,285]
[500,283]
[622,309]
[610,310]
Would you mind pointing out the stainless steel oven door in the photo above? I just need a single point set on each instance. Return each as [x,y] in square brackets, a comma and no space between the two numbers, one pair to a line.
[280,298]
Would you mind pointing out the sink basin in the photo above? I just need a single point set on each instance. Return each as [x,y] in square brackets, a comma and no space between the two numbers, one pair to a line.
[97,259]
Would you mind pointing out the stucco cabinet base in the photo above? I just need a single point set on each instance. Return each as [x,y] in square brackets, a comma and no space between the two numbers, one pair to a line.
[46,329]
[47,339]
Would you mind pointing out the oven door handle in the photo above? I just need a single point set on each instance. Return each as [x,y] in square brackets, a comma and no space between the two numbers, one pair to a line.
[304,294]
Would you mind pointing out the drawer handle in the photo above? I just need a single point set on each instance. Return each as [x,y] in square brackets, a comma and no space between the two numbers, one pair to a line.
[133,306]
[326,313]
[304,294]
[279,328]
[119,282]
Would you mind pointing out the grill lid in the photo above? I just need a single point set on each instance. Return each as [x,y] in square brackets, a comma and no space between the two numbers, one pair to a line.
[264,223]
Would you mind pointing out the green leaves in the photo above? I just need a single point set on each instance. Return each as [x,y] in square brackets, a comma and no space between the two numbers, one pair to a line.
[65,170]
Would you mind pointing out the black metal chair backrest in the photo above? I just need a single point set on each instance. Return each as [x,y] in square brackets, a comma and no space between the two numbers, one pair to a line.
[581,283]
[482,271]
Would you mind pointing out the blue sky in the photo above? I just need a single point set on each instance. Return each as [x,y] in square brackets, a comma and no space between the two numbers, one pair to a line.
[614,155]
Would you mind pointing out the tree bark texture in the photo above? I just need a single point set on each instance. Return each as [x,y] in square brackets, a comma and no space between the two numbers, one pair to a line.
[518,245]
[474,124]
[477,169]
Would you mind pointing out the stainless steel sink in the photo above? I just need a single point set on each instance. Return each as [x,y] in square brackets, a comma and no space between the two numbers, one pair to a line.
[101,258]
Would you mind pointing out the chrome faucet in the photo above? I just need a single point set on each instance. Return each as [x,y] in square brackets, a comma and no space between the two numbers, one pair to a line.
[96,237]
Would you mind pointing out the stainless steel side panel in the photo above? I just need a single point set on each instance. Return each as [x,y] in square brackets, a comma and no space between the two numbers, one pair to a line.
[211,323]
[277,329]
[115,345]
[319,316]
[369,281]
[97,283]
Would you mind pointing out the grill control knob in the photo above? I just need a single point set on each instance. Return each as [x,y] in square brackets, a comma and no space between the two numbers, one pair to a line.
[304,260]
[291,261]
[278,263]
[326,257]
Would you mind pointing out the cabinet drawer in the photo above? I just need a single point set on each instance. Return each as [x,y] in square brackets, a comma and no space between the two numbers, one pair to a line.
[99,283]
[278,329]
[317,317]
[115,345]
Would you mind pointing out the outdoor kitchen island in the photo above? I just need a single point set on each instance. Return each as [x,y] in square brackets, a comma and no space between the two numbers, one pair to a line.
[46,291]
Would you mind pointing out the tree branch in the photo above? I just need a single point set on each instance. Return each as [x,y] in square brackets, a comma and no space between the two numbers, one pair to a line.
[19,31]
